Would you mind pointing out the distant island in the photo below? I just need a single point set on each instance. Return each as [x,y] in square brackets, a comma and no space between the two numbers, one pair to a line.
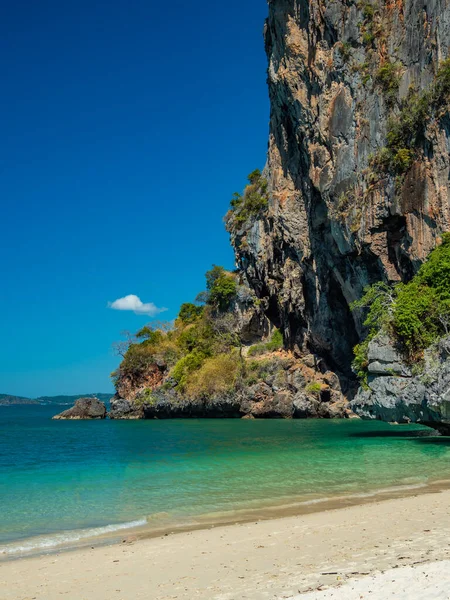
[10,400]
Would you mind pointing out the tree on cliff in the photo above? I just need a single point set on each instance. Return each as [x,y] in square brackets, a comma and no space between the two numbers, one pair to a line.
[221,289]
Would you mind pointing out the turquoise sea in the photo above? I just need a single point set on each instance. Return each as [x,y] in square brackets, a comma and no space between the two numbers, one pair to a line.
[65,481]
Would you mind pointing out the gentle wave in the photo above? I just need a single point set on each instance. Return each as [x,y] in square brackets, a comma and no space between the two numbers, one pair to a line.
[261,509]
[66,538]
[369,494]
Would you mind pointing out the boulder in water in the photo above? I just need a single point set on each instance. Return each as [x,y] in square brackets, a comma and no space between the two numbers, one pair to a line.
[84,408]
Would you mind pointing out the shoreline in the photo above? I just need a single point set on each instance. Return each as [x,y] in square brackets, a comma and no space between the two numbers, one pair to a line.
[141,529]
[270,558]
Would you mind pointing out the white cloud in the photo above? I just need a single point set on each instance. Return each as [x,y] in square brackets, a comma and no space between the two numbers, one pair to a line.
[135,304]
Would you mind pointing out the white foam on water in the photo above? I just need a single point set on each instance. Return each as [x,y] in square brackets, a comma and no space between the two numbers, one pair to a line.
[68,539]
[64,539]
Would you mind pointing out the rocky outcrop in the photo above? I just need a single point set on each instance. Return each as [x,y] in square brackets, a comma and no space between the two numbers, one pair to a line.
[286,388]
[124,409]
[384,359]
[332,225]
[327,218]
[130,385]
[395,395]
[249,319]
[84,408]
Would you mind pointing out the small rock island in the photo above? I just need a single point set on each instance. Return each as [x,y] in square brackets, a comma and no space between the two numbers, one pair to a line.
[84,409]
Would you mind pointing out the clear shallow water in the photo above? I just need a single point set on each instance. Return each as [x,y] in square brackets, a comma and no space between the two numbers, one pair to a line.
[61,476]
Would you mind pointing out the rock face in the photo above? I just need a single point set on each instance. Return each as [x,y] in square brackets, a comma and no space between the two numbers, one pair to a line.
[384,359]
[330,221]
[330,228]
[284,391]
[124,409]
[403,398]
[84,408]
[130,387]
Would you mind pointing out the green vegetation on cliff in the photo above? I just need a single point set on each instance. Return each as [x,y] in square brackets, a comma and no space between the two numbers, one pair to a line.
[253,202]
[275,343]
[415,314]
[406,129]
[200,354]
[388,78]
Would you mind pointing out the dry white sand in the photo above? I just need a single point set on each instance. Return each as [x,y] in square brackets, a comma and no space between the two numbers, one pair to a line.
[279,558]
[429,581]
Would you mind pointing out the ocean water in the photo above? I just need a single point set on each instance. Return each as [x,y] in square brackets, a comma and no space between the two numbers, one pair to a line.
[65,481]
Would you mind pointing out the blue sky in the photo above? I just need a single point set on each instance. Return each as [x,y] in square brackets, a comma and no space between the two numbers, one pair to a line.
[126,127]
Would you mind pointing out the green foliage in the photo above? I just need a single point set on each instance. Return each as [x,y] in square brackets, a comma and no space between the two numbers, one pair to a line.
[217,375]
[415,321]
[415,314]
[387,77]
[250,204]
[441,88]
[368,11]
[435,272]
[368,37]
[213,275]
[378,302]
[186,366]
[257,349]
[343,203]
[136,362]
[199,335]
[254,177]
[402,160]
[221,289]
[190,313]
[314,387]
[149,335]
[407,129]
[276,341]
[367,27]
[223,292]
[381,161]
[404,134]
[258,370]
[360,361]
[236,200]
[145,398]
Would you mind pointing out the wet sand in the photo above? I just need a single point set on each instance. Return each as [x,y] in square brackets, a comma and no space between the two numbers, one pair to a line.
[274,558]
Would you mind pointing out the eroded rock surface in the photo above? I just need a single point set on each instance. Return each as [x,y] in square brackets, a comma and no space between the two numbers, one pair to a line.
[400,398]
[332,225]
[288,389]
[331,228]
[84,408]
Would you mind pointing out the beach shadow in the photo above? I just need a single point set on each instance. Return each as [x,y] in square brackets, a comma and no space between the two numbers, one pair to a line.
[423,434]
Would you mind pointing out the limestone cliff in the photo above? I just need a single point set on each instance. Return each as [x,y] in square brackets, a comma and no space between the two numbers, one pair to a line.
[339,73]
[355,191]
[395,394]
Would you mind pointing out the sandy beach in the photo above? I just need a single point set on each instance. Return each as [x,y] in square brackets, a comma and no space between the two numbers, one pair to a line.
[290,557]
